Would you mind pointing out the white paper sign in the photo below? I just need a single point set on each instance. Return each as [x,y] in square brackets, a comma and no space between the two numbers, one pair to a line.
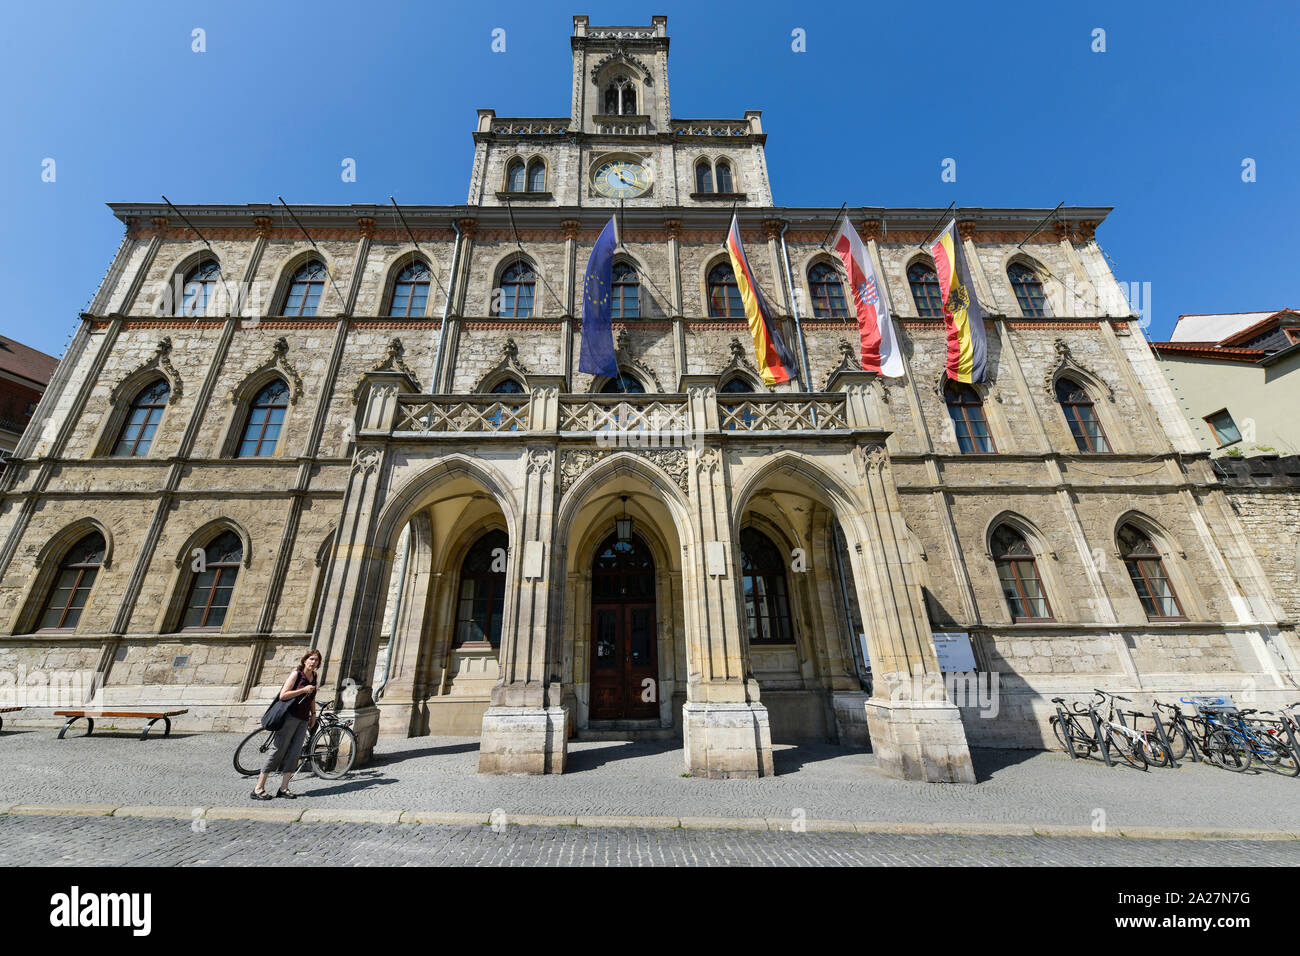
[715,558]
[533,559]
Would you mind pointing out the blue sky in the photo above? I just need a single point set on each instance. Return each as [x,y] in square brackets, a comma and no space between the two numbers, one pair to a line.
[1157,126]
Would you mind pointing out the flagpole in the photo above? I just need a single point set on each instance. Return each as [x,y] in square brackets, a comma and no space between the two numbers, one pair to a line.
[204,240]
[520,244]
[832,226]
[446,294]
[942,217]
[1022,242]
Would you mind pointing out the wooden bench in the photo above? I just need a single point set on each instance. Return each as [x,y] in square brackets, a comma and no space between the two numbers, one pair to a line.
[151,716]
[6,710]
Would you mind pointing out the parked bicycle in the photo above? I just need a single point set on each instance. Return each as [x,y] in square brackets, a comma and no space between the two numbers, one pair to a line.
[329,750]
[1138,748]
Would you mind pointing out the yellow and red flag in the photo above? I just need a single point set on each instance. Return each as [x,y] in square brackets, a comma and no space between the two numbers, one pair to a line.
[961,310]
[775,362]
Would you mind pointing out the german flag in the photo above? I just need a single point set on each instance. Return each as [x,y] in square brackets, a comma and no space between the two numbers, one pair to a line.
[775,362]
[961,311]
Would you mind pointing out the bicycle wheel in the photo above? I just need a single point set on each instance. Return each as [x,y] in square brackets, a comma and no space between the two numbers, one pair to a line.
[1279,757]
[333,751]
[1178,743]
[1224,752]
[1154,751]
[1129,749]
[251,752]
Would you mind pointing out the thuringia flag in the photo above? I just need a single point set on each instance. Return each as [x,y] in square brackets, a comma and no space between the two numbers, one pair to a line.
[961,311]
[775,362]
[597,356]
[876,333]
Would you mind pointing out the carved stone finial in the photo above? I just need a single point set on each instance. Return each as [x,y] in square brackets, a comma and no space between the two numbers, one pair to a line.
[263,226]
[737,350]
[281,347]
[510,350]
[367,227]
[571,227]
[623,340]
[966,229]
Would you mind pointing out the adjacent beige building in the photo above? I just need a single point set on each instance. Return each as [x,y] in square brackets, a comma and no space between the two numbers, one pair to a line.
[1237,379]
[377,440]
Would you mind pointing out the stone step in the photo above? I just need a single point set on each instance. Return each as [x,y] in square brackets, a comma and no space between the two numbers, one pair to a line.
[629,730]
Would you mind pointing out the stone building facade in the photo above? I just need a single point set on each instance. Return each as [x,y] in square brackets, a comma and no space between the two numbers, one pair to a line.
[377,441]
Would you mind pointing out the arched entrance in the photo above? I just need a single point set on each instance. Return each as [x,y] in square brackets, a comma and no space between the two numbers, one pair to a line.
[624,665]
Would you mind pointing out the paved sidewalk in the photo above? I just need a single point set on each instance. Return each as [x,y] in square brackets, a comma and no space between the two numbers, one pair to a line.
[1016,792]
[111,841]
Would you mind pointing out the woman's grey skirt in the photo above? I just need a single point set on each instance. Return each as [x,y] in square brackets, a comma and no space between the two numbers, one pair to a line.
[285,746]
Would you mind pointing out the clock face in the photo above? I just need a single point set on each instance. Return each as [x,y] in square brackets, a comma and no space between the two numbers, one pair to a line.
[621,179]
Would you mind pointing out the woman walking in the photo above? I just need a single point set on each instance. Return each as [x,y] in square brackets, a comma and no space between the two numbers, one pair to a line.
[300,687]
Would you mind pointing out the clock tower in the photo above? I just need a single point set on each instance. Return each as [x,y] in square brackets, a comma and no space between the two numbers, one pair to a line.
[620,142]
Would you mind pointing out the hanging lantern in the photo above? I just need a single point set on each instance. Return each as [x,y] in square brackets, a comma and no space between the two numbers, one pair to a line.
[623,524]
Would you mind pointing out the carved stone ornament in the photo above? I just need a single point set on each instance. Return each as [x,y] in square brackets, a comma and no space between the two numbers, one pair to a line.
[391,362]
[625,360]
[848,362]
[366,460]
[874,458]
[621,56]
[160,360]
[279,361]
[672,461]
[539,460]
[508,366]
[708,460]
[740,363]
[985,390]
[1066,364]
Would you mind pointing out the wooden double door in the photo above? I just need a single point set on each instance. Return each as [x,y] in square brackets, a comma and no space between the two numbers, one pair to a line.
[624,664]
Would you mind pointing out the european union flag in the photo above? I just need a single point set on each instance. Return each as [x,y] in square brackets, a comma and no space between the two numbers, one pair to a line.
[597,357]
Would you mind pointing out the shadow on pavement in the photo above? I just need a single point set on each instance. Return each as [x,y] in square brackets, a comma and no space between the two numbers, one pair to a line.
[379,759]
[590,758]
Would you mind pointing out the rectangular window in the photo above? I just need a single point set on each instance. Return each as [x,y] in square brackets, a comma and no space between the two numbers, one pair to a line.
[1224,428]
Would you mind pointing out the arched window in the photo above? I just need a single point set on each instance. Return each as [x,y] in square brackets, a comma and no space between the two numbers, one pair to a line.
[627,384]
[77,572]
[827,292]
[508,386]
[1018,575]
[516,300]
[767,606]
[625,291]
[925,290]
[620,97]
[210,590]
[482,591]
[515,176]
[703,177]
[142,420]
[537,176]
[1028,290]
[735,385]
[967,413]
[265,416]
[724,177]
[1146,570]
[724,294]
[305,289]
[200,286]
[1081,415]
[411,290]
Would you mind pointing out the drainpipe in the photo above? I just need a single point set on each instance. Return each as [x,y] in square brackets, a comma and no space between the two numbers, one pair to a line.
[446,309]
[397,615]
[794,309]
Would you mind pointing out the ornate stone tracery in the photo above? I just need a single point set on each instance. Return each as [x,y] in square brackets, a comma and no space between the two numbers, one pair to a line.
[391,362]
[672,461]
[161,361]
[1065,365]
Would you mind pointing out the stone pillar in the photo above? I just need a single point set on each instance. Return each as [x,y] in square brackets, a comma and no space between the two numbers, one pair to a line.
[725,730]
[916,732]
[525,726]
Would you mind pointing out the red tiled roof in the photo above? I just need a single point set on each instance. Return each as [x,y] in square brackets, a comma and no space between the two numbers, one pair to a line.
[1210,350]
[22,360]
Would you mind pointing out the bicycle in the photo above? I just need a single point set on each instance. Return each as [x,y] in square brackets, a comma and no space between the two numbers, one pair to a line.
[1138,747]
[1181,737]
[1071,733]
[330,749]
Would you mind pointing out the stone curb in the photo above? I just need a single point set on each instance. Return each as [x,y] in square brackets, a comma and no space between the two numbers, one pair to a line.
[283,814]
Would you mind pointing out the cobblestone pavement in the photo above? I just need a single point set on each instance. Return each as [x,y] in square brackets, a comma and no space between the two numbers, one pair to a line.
[108,841]
[646,779]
